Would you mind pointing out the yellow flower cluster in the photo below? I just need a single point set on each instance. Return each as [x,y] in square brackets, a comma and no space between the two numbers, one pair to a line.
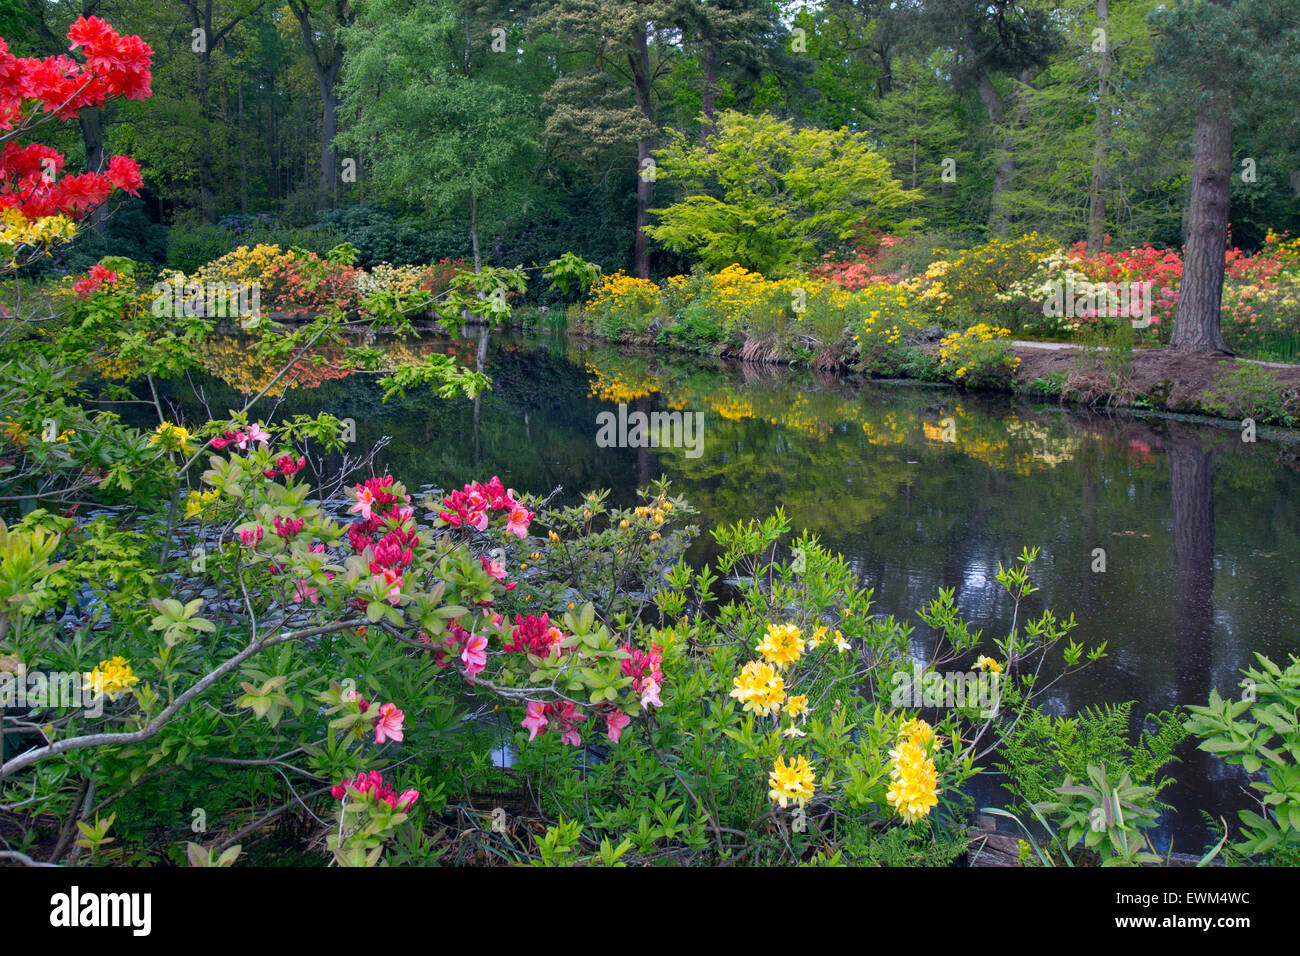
[988,664]
[16,230]
[172,438]
[196,502]
[791,781]
[914,784]
[964,349]
[620,291]
[111,678]
[782,646]
[759,688]
[655,513]
[244,264]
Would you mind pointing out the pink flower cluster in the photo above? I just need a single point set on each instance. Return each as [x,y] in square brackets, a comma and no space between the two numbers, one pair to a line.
[535,635]
[390,720]
[371,786]
[563,716]
[469,508]
[242,439]
[386,535]
[646,671]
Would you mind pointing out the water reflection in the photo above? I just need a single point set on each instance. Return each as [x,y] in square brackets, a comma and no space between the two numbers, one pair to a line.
[920,488]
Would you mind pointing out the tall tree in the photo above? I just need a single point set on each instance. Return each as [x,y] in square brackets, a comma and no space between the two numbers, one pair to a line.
[607,94]
[994,44]
[1215,65]
[438,132]
[322,23]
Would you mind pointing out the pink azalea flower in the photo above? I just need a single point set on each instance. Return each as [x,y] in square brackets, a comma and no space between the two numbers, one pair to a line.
[496,569]
[388,585]
[256,433]
[518,521]
[302,591]
[407,799]
[650,694]
[615,721]
[478,520]
[474,656]
[389,726]
[365,499]
[534,718]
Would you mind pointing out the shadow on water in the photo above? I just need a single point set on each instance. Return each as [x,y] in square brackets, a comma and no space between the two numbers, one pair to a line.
[920,488]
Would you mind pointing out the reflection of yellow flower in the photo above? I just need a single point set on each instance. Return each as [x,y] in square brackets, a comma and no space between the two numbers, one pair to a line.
[783,644]
[111,678]
[792,781]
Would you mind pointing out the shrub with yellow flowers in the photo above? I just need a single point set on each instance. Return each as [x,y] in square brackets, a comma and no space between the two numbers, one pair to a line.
[979,357]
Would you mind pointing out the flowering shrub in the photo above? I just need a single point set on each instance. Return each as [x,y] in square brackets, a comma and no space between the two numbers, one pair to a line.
[974,283]
[889,320]
[979,357]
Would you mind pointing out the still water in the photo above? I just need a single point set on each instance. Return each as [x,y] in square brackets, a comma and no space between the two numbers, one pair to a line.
[920,488]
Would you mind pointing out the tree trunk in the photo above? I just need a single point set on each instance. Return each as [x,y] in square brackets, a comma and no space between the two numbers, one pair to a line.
[709,92]
[1096,196]
[473,231]
[640,63]
[1200,297]
[92,135]
[1005,162]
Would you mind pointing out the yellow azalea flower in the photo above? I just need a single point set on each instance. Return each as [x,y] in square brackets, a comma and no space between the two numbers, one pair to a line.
[841,644]
[988,664]
[792,731]
[794,706]
[791,782]
[913,790]
[172,437]
[783,644]
[917,731]
[759,688]
[111,678]
[819,635]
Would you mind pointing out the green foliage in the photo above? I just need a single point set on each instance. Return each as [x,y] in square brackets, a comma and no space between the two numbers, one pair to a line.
[781,193]
[1260,732]
[1042,750]
[1249,390]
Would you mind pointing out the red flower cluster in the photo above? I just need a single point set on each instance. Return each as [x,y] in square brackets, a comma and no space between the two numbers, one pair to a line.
[310,284]
[643,667]
[535,635]
[288,530]
[285,465]
[390,552]
[97,277]
[372,786]
[115,66]
[469,508]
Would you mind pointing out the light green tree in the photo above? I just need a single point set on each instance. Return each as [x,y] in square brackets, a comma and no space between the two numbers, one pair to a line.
[769,196]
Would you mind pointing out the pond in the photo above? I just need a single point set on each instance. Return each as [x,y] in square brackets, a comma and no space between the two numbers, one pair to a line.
[920,488]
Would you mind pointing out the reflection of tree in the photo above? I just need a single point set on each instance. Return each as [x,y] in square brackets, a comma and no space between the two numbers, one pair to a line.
[1191,491]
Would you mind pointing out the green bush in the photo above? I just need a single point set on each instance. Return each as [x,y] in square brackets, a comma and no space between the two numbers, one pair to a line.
[1247,390]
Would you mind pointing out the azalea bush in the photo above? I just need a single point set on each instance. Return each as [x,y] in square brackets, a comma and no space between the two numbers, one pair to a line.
[979,357]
